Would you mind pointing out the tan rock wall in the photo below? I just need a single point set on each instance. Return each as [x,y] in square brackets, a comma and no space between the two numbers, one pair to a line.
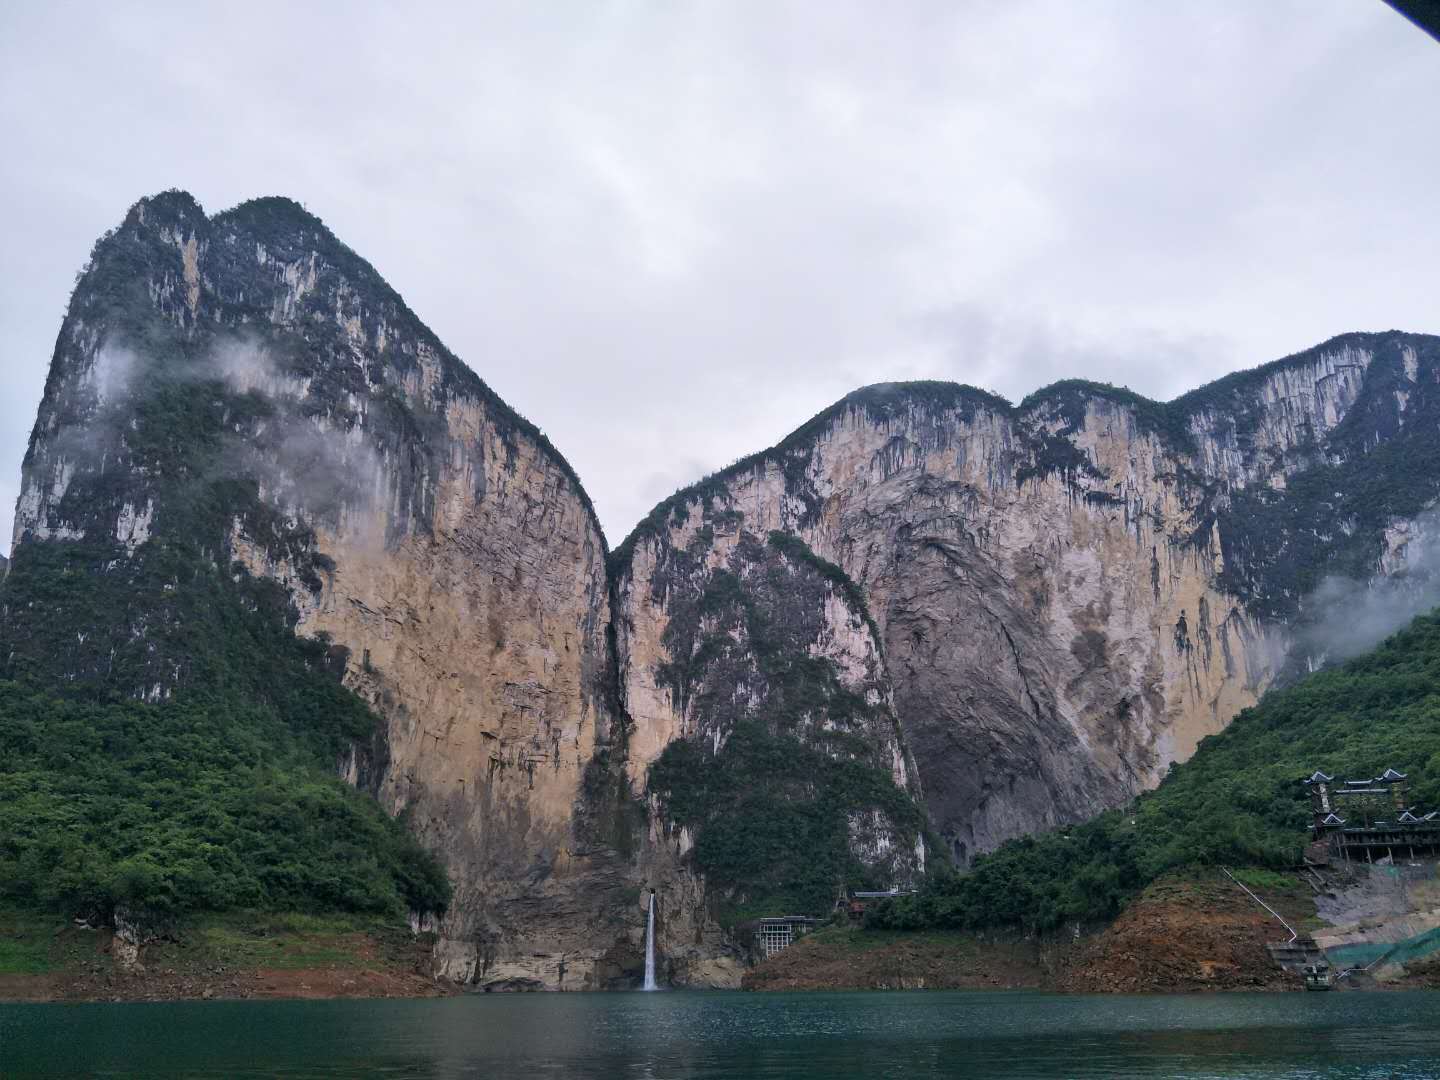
[1055,643]
[480,637]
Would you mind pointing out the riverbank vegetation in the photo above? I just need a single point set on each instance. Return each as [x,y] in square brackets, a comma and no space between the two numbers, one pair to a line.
[229,955]
[198,804]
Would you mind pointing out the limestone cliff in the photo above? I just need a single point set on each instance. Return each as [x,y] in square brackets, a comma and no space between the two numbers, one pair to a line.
[240,399]
[782,764]
[1073,592]
[926,615]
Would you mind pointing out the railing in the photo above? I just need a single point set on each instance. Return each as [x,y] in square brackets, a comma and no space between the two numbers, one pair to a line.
[1293,932]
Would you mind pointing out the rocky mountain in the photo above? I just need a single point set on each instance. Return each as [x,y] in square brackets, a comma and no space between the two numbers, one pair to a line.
[242,418]
[241,399]
[1069,594]
[928,617]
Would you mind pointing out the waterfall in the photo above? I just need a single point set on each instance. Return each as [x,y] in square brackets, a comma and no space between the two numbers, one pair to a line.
[650,947]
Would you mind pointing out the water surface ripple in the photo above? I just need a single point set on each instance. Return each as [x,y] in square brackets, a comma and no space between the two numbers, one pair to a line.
[763,1036]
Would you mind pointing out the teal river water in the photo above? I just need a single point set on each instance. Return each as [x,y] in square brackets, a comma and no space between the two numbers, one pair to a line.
[641,1036]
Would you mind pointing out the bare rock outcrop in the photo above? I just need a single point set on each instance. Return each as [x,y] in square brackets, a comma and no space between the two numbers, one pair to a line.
[928,616]
[1074,592]
[433,538]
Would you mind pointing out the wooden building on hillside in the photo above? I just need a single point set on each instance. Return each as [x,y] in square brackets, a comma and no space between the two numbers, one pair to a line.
[1366,820]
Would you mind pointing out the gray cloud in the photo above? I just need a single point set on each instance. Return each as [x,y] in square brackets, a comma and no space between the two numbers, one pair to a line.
[668,234]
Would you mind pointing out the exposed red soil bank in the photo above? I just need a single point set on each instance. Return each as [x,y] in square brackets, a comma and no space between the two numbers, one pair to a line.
[1183,934]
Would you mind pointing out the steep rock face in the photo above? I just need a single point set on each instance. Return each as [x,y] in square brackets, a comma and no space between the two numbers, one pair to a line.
[1074,592]
[1012,617]
[782,765]
[242,400]
[782,776]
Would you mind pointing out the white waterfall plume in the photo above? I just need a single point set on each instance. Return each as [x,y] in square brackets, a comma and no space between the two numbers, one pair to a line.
[650,946]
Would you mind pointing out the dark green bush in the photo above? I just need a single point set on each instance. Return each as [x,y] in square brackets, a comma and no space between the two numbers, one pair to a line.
[197,804]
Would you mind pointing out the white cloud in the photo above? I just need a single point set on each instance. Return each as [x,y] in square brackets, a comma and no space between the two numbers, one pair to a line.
[670,233]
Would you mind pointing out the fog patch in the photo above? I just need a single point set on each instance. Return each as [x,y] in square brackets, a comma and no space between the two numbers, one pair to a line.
[301,447]
[305,464]
[243,364]
[1345,617]
[246,366]
[111,373]
[324,474]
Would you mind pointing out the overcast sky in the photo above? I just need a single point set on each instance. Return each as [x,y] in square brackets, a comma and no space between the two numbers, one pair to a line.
[668,233]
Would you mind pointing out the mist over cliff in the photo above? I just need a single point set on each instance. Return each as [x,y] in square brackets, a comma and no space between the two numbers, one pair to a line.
[241,417]
[1072,592]
[926,622]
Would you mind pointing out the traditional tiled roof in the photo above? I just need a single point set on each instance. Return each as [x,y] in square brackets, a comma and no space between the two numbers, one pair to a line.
[1391,774]
[1333,819]
[1318,777]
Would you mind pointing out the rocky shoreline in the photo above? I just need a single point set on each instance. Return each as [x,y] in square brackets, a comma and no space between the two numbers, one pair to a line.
[221,985]
[1184,934]
[1190,933]
[238,957]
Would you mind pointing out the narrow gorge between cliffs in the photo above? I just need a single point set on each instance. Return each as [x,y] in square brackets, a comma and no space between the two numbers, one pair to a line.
[927,622]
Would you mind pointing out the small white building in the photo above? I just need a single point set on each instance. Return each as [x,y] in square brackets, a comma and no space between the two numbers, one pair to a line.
[774,934]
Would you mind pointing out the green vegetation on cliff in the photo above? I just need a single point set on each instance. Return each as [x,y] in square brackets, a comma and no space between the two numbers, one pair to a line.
[167,742]
[784,758]
[224,793]
[1238,801]
[207,802]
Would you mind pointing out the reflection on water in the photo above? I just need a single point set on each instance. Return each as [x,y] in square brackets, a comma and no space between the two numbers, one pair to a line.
[691,1035]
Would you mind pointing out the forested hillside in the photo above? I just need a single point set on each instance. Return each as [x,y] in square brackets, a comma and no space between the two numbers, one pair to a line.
[206,803]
